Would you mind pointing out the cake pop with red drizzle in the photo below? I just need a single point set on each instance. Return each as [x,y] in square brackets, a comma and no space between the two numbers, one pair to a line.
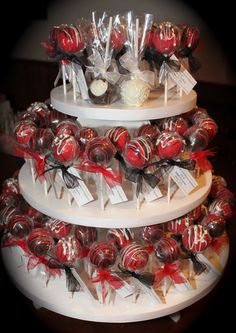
[169,144]
[215,225]
[86,235]
[210,126]
[150,131]
[134,257]
[120,237]
[68,250]
[100,150]
[174,124]
[67,127]
[167,250]
[119,136]
[65,148]
[152,233]
[85,134]
[11,185]
[178,225]
[24,132]
[196,138]
[102,255]
[40,242]
[19,225]
[138,152]
[196,238]
[166,38]
[58,228]
[221,208]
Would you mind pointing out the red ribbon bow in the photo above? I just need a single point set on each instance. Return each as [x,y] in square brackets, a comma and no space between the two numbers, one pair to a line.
[103,275]
[201,159]
[171,271]
[109,175]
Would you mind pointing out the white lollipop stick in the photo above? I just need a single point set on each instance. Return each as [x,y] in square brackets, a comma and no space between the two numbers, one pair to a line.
[64,78]
[136,39]
[32,169]
[166,89]
[180,92]
[45,186]
[169,189]
[108,41]
[73,82]
[69,198]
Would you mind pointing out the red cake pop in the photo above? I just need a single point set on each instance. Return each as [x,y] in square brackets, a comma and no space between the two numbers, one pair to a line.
[69,39]
[134,257]
[150,131]
[152,233]
[138,152]
[36,216]
[196,138]
[195,213]
[169,144]
[210,126]
[196,238]
[19,225]
[218,180]
[174,124]
[58,228]
[167,250]
[86,235]
[43,140]
[100,150]
[166,38]
[102,255]
[28,115]
[190,37]
[67,127]
[86,134]
[65,148]
[40,242]
[55,118]
[197,114]
[41,110]
[120,237]
[68,250]
[11,185]
[215,225]
[24,132]
[223,193]
[118,38]
[119,136]
[178,225]
[221,208]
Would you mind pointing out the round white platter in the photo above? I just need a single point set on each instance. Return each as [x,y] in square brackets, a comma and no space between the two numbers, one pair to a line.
[122,215]
[154,108]
[55,296]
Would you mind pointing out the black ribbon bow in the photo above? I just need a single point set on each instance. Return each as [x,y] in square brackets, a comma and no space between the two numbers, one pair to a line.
[71,181]
[156,59]
[146,278]
[185,164]
[72,283]
[194,63]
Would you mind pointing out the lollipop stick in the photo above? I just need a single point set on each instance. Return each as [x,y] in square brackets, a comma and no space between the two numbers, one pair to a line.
[73,82]
[64,78]
[69,198]
[108,41]
[169,189]
[180,92]
[136,39]
[166,89]
[32,169]
[45,186]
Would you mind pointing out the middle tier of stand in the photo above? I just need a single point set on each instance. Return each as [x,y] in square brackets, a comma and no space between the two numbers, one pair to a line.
[123,215]
[154,108]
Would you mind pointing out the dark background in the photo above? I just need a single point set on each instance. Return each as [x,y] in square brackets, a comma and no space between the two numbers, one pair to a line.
[214,311]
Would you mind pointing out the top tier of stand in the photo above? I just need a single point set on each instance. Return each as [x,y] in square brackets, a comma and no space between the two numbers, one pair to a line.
[154,108]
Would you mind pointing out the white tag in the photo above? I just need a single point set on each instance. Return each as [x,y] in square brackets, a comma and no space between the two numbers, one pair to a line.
[183,178]
[209,265]
[80,81]
[115,193]
[151,194]
[80,193]
[147,290]
[182,77]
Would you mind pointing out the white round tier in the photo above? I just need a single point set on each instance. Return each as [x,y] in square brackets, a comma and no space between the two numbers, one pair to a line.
[55,296]
[122,215]
[154,108]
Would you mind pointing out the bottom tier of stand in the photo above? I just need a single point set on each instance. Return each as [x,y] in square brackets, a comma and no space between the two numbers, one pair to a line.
[54,295]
